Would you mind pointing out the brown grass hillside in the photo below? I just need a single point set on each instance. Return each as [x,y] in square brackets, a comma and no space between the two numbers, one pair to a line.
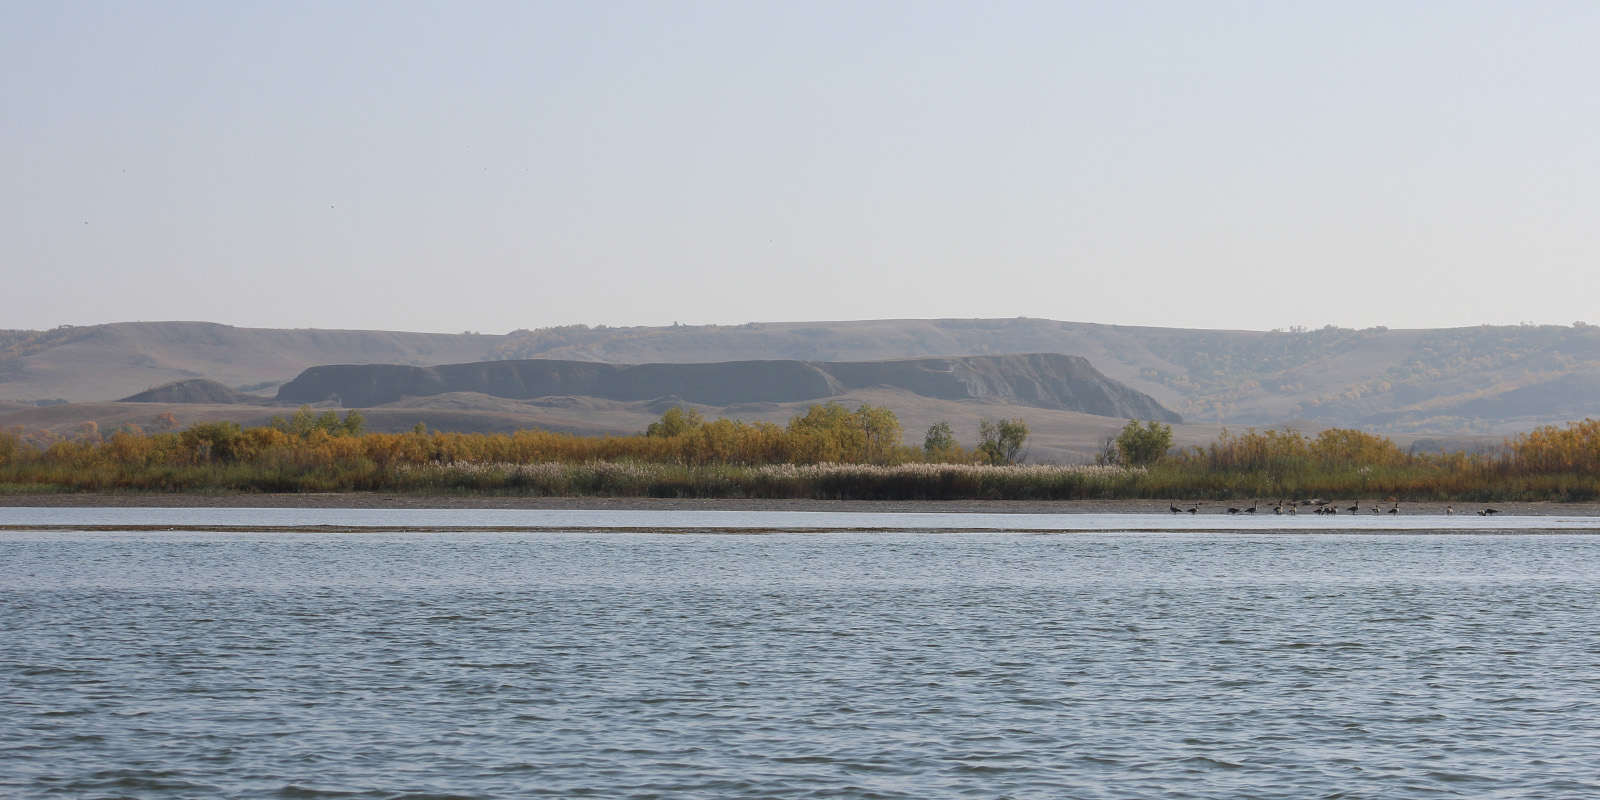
[1481,380]
[105,362]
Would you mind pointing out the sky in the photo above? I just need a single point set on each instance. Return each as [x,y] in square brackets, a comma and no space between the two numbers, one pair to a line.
[494,166]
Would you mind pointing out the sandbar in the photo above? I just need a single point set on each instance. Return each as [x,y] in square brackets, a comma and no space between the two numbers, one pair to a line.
[404,501]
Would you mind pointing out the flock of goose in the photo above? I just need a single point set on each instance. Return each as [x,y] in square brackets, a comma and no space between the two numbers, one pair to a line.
[1321,507]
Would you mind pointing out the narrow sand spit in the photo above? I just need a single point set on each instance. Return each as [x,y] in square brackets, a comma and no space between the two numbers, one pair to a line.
[360,500]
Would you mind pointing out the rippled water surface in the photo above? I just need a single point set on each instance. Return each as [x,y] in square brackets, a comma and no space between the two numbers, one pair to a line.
[854,665]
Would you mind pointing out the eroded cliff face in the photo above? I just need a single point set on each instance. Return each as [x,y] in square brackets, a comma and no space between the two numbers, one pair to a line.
[1042,380]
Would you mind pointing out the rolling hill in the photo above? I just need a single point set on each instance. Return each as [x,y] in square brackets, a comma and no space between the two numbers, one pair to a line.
[1445,382]
[102,362]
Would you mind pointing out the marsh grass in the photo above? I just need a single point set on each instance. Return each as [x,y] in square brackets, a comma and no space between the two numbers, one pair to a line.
[760,462]
[812,481]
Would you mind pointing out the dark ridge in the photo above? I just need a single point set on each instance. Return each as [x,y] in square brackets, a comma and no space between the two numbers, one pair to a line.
[197,390]
[1041,380]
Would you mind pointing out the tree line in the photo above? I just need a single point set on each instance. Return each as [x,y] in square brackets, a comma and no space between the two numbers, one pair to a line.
[825,433]
[310,451]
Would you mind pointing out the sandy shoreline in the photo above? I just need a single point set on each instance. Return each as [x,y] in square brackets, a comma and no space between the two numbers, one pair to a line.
[354,500]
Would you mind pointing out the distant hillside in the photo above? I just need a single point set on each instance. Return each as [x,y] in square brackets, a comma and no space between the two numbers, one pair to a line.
[1481,380]
[1039,380]
[1484,379]
[102,362]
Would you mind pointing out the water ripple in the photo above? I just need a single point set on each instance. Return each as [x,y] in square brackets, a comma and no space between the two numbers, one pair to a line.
[849,666]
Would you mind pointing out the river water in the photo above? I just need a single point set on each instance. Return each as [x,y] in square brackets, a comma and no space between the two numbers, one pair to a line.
[560,657]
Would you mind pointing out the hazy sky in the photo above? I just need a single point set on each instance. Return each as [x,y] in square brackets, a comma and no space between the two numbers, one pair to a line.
[491,166]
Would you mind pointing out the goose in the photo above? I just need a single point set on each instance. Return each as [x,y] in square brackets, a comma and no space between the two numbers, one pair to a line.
[1395,509]
[1449,511]
[1194,509]
[1251,509]
[1233,510]
[1174,509]
[1488,512]
[1355,508]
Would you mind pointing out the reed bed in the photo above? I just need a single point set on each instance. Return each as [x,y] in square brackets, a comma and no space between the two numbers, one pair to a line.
[734,460]
[826,481]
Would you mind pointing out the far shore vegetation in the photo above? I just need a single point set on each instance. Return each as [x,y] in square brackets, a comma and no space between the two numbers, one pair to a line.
[830,452]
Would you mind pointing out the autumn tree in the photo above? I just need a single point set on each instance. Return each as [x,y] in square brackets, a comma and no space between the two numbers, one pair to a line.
[676,422]
[831,432]
[88,431]
[207,441]
[882,430]
[10,445]
[306,422]
[1001,441]
[939,441]
[1139,446]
